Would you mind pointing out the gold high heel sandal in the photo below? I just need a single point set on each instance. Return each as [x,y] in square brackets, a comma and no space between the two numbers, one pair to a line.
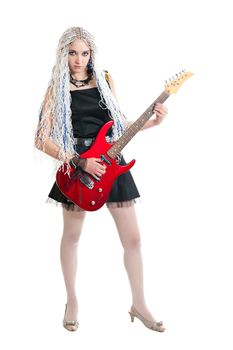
[154,326]
[66,324]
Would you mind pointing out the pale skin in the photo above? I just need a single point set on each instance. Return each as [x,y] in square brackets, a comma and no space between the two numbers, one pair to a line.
[79,55]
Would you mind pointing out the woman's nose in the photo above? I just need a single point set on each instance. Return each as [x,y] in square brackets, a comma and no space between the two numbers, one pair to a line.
[78,59]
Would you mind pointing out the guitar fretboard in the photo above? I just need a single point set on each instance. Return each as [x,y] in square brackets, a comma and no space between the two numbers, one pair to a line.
[135,127]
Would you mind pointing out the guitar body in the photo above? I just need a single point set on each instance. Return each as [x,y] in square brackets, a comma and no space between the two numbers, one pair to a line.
[80,187]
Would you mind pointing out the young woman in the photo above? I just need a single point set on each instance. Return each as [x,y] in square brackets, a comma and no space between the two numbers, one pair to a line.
[79,100]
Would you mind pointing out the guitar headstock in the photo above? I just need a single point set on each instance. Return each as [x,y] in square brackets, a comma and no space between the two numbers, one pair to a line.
[173,85]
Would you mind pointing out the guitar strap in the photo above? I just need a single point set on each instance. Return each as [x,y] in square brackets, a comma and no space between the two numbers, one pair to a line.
[107,78]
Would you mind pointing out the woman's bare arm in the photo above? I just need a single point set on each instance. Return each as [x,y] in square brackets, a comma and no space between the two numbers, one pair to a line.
[159,112]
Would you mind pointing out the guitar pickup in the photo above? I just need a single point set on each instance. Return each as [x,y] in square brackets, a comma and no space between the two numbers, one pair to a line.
[85,179]
[105,159]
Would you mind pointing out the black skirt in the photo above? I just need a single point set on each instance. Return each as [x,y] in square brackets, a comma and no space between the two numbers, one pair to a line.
[123,192]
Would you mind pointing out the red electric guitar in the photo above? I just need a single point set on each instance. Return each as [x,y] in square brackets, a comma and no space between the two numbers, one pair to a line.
[85,191]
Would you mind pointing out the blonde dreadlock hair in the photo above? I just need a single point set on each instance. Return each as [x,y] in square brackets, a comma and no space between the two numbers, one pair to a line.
[55,113]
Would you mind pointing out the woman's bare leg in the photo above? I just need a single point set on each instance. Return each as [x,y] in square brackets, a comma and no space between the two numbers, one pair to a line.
[73,222]
[127,226]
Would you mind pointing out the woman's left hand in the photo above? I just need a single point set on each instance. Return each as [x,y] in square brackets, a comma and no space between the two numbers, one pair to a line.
[160,111]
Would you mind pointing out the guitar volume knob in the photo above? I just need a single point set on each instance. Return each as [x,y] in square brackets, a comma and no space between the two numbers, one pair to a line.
[100,189]
[92,202]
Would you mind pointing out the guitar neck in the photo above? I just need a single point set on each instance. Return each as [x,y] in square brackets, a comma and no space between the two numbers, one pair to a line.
[135,127]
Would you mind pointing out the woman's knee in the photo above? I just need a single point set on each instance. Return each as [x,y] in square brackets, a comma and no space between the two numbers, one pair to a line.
[127,226]
[71,237]
[73,222]
[132,242]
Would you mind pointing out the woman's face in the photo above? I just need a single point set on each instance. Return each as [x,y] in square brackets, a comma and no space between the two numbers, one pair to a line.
[78,57]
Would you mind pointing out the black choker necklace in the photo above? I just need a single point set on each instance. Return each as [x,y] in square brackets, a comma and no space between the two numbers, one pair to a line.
[79,83]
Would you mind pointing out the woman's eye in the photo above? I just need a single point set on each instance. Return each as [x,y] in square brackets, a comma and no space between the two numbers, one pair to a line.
[73,53]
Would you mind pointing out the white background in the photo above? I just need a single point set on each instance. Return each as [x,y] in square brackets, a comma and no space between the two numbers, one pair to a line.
[183,172]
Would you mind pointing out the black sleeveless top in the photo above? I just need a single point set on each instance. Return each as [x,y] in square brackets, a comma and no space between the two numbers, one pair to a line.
[87,115]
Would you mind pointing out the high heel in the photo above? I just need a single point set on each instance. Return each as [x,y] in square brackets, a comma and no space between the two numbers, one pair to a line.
[153,325]
[66,324]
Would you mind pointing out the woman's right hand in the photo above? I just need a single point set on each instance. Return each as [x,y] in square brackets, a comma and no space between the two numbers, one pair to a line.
[94,167]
